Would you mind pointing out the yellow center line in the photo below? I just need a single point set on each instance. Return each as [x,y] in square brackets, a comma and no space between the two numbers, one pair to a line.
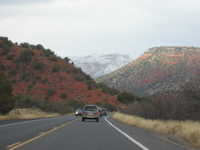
[20,144]
[12,145]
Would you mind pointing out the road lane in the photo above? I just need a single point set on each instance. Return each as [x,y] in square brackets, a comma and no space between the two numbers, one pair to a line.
[126,135]
[78,135]
[3,122]
[20,131]
[91,135]
[88,135]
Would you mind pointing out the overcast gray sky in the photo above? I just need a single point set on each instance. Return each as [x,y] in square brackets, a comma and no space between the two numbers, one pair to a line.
[83,27]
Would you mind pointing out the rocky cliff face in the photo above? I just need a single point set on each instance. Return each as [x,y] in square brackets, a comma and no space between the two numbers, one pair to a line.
[99,65]
[160,69]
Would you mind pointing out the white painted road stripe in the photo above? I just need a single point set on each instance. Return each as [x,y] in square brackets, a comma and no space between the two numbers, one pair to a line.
[127,136]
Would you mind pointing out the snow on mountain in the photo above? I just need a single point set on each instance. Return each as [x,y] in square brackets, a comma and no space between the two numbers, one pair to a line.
[99,65]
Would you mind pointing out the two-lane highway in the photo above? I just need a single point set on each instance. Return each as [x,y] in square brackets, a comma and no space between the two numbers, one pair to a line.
[77,135]
[83,136]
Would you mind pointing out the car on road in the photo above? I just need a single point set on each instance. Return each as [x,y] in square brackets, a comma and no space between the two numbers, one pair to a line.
[103,112]
[90,112]
[78,112]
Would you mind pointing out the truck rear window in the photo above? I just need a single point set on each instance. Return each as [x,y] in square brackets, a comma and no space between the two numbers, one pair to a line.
[90,108]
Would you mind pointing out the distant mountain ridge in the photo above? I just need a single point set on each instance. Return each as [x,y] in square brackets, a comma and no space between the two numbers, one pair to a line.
[99,65]
[160,69]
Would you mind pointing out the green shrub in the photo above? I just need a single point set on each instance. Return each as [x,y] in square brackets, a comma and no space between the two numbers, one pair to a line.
[58,106]
[2,38]
[5,45]
[30,46]
[13,81]
[38,66]
[6,99]
[50,92]
[127,98]
[63,95]
[91,84]
[6,50]
[67,69]
[79,75]
[56,68]
[25,76]
[75,104]
[107,89]
[2,67]
[12,72]
[39,46]
[30,87]
[49,52]
[25,45]
[10,57]
[25,101]
[25,56]
[66,59]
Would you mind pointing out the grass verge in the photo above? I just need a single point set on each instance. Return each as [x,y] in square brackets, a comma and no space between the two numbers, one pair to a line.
[27,113]
[186,130]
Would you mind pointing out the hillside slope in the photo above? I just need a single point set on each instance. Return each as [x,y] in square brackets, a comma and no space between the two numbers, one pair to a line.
[99,65]
[158,70]
[38,72]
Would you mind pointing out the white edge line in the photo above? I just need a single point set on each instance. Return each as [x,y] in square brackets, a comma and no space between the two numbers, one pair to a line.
[127,136]
[25,122]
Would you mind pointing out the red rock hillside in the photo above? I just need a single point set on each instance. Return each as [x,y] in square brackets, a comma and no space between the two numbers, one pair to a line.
[38,72]
[158,70]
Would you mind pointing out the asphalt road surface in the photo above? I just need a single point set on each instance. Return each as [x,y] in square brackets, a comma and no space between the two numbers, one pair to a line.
[69,133]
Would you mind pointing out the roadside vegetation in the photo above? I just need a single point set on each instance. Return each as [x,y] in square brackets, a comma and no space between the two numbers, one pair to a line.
[27,113]
[123,97]
[12,107]
[7,100]
[180,105]
[26,107]
[186,130]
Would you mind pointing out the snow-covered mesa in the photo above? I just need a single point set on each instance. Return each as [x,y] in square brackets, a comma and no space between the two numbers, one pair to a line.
[99,65]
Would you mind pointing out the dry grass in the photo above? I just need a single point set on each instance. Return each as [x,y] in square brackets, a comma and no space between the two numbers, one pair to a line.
[187,130]
[27,114]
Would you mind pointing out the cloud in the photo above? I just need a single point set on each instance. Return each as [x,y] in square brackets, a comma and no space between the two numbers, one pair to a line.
[81,27]
[22,2]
